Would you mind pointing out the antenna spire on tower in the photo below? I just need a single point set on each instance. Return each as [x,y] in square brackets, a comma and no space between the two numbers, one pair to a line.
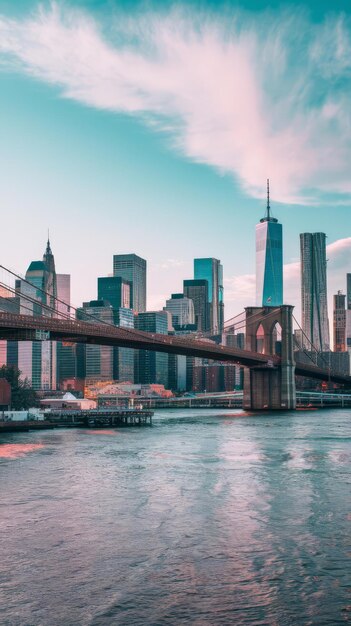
[268,205]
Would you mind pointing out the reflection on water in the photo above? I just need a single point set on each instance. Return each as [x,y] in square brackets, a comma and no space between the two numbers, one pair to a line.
[209,517]
[17,450]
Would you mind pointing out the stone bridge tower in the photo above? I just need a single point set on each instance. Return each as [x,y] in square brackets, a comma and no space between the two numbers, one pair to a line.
[271,386]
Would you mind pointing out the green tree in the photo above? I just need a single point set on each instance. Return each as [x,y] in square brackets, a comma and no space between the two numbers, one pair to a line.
[23,396]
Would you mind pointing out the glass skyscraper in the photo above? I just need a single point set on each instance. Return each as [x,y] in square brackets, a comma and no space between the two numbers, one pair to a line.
[269,260]
[153,366]
[197,291]
[114,290]
[132,268]
[315,323]
[211,270]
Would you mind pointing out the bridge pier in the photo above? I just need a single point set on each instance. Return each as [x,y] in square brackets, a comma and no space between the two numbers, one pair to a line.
[270,387]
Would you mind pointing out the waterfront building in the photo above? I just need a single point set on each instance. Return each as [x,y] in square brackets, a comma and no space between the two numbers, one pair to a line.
[132,268]
[197,291]
[181,309]
[315,323]
[116,291]
[152,366]
[269,259]
[211,270]
[339,322]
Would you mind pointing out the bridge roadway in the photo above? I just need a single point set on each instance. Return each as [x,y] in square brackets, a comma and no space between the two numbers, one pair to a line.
[14,327]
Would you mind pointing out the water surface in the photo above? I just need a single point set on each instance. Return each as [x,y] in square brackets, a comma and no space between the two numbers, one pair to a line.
[209,517]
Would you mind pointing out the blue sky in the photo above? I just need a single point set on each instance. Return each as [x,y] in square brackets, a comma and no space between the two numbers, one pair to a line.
[152,127]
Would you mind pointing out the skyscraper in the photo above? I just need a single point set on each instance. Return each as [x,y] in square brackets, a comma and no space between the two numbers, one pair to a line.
[132,268]
[181,309]
[63,282]
[98,359]
[314,303]
[339,323]
[211,270]
[197,291]
[269,260]
[348,291]
[37,360]
[115,290]
[153,366]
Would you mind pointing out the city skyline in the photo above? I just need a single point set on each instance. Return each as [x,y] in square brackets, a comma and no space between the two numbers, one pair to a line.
[105,178]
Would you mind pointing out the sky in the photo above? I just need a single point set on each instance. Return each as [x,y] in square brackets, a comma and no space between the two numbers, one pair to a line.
[151,127]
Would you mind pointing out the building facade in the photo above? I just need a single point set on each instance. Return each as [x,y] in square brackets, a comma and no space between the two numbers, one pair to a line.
[116,291]
[339,323]
[132,268]
[98,360]
[152,366]
[197,291]
[211,270]
[181,309]
[315,323]
[269,260]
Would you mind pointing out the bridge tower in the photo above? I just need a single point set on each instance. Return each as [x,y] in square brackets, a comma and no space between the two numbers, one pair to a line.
[271,386]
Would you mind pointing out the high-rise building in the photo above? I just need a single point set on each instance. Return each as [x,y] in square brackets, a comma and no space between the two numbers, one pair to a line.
[211,270]
[99,360]
[269,260]
[197,291]
[153,366]
[132,268]
[115,290]
[63,282]
[314,302]
[37,296]
[348,291]
[339,322]
[348,315]
[181,309]
[123,365]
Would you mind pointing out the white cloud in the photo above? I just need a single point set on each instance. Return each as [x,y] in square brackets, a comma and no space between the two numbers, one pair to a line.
[256,97]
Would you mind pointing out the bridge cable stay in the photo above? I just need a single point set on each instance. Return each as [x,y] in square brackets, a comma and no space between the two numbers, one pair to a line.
[47,307]
[317,352]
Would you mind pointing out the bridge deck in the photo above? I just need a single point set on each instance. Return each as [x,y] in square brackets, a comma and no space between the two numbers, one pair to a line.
[24,327]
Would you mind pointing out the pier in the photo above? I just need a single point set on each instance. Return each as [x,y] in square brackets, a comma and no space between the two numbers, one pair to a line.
[101,418]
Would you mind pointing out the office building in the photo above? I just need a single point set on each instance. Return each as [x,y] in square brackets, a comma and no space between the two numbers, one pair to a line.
[348,291]
[269,260]
[116,291]
[63,286]
[181,309]
[339,322]
[314,303]
[123,365]
[132,268]
[152,366]
[197,291]
[98,360]
[211,270]
[38,296]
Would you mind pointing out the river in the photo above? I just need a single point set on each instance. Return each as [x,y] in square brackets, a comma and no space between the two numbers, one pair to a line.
[209,517]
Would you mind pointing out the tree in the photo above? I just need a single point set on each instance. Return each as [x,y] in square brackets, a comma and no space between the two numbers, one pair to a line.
[23,396]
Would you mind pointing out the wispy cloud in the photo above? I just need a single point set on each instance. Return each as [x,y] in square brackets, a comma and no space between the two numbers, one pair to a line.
[254,96]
